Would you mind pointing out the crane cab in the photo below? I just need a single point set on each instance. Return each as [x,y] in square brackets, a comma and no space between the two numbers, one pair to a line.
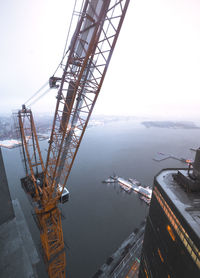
[65,195]
[53,82]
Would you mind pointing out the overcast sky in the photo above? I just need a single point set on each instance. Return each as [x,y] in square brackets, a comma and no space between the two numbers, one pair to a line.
[154,71]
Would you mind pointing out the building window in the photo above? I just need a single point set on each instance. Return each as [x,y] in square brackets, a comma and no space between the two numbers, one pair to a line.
[160,255]
[184,237]
[169,229]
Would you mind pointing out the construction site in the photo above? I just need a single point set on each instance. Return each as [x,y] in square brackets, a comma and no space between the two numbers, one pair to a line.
[92,36]
[78,80]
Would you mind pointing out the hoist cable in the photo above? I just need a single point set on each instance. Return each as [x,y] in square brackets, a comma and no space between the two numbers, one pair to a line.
[34,101]
[36,92]
[64,52]
[66,42]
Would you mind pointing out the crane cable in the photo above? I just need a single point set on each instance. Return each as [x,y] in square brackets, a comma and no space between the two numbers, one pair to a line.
[70,25]
[34,101]
[37,92]
[66,42]
[64,54]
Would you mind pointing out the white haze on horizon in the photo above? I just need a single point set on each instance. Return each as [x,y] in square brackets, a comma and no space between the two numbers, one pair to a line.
[154,71]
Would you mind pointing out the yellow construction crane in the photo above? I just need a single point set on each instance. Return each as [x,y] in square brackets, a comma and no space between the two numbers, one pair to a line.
[83,70]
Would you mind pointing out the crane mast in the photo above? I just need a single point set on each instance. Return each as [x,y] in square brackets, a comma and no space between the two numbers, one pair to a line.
[82,73]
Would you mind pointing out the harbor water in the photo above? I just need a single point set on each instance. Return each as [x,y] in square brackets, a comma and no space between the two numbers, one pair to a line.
[99,216]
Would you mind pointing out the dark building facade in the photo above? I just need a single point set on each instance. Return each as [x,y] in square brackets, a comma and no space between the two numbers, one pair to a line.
[6,208]
[171,245]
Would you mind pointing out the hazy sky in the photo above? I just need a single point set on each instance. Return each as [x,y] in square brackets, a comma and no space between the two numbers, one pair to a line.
[154,71]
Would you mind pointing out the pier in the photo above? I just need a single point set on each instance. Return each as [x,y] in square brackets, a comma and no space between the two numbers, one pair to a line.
[161,156]
[132,185]
[126,260]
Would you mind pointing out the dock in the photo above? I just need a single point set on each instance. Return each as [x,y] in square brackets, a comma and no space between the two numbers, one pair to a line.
[145,191]
[126,259]
[161,156]
[131,185]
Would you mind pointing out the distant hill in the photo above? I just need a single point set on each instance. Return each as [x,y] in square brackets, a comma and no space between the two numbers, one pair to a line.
[170,124]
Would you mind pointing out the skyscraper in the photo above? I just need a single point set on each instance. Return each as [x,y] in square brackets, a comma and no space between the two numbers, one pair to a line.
[171,246]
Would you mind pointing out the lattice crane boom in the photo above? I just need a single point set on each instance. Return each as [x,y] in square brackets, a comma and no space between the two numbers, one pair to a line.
[82,73]
[87,62]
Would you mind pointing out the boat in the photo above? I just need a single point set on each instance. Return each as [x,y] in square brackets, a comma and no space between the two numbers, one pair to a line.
[145,191]
[109,180]
[134,181]
[125,188]
[146,200]
[114,177]
[131,184]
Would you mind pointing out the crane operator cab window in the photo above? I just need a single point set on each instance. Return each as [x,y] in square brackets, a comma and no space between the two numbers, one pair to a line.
[65,195]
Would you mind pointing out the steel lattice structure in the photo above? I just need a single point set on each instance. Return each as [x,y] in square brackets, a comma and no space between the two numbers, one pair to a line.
[31,149]
[82,73]
[86,65]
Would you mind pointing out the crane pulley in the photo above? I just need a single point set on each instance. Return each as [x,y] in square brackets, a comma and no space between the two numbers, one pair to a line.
[82,73]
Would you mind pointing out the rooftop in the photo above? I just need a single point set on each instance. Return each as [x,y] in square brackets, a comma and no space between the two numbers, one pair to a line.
[187,203]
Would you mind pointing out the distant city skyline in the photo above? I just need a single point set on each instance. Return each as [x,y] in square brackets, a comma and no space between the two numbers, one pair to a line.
[154,71]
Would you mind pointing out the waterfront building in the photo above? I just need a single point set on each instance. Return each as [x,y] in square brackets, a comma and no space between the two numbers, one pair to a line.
[171,245]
